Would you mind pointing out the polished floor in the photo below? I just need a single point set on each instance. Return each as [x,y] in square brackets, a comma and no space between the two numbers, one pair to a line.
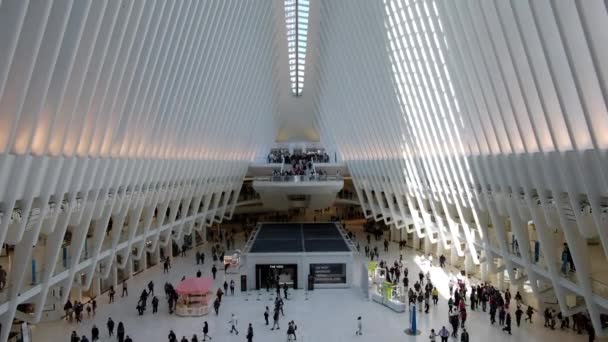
[321,315]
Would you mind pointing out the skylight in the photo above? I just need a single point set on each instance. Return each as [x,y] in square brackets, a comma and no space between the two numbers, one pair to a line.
[296,20]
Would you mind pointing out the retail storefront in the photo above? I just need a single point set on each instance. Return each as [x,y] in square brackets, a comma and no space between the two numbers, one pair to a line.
[291,253]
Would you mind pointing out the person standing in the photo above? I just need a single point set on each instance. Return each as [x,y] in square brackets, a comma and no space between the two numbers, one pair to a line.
[233,322]
[266,314]
[444,334]
[214,271]
[111,294]
[433,336]
[206,331]
[110,325]
[250,333]
[166,265]
[94,333]
[232,287]
[94,306]
[464,337]
[359,327]
[124,289]
[154,305]
[120,332]
[198,257]
[2,278]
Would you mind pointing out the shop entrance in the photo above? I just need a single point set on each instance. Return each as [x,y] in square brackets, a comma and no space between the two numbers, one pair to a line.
[266,276]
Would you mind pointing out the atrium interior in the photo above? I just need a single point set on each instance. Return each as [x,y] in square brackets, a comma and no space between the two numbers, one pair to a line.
[323,148]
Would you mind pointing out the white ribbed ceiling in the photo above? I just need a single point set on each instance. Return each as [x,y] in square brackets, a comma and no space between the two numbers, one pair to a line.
[468,119]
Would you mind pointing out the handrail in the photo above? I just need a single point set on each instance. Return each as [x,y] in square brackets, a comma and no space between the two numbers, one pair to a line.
[296,179]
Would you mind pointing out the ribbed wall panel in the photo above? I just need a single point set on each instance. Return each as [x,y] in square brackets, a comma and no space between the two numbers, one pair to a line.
[470,119]
[112,110]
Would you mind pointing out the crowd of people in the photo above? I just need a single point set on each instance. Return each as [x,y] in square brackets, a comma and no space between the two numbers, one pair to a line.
[278,156]
[498,304]
[501,306]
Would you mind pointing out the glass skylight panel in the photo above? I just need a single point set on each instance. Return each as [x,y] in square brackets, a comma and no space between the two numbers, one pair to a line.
[296,21]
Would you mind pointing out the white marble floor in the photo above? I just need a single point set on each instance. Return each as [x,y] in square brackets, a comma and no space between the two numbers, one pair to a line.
[327,315]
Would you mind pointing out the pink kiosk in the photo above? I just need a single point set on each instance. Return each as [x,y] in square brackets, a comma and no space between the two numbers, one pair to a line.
[194,296]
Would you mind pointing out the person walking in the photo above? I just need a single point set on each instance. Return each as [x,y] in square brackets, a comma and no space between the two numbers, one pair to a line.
[206,331]
[214,271]
[111,294]
[529,313]
[216,306]
[518,313]
[507,327]
[250,333]
[275,318]
[266,314]
[232,287]
[110,325]
[233,322]
[359,331]
[151,288]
